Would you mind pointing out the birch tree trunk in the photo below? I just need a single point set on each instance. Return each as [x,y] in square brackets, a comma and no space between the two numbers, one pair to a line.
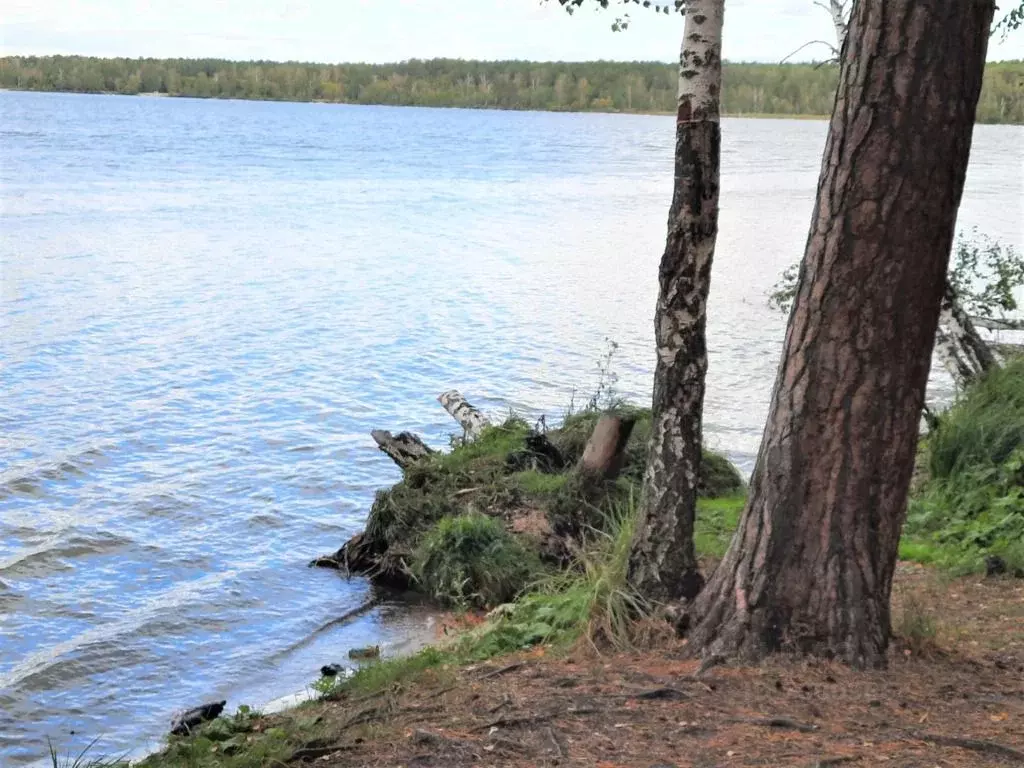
[663,564]
[810,568]
[964,353]
[837,9]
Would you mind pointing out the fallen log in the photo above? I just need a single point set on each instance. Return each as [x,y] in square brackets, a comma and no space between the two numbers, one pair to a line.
[963,351]
[188,721]
[470,418]
[405,448]
[992,324]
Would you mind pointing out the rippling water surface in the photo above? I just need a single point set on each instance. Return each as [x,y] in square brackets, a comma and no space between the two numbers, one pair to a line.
[207,306]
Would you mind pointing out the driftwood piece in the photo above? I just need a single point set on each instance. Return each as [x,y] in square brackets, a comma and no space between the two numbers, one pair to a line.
[188,721]
[470,418]
[603,454]
[404,449]
[355,556]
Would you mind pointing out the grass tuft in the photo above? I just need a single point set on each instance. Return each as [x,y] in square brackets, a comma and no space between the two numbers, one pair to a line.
[473,561]
[380,675]
[972,504]
[82,759]
[591,598]
[916,626]
[716,522]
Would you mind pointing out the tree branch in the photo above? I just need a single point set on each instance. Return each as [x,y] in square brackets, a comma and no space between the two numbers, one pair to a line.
[992,324]
[835,52]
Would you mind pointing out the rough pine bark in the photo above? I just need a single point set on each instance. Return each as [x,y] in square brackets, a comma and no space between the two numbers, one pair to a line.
[663,564]
[810,568]
[963,352]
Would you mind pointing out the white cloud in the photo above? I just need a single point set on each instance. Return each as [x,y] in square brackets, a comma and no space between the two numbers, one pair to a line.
[390,30]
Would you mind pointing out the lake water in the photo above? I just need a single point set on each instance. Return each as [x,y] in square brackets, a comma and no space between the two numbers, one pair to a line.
[207,306]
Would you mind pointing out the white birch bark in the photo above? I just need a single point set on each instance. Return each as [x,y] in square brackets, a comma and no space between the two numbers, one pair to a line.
[663,563]
[963,352]
[471,419]
[837,8]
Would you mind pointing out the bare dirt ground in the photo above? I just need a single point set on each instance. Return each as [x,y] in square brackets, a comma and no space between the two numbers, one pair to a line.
[956,699]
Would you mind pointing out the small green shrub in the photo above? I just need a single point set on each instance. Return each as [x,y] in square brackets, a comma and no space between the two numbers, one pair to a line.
[472,560]
[591,598]
[718,476]
[983,428]
[973,501]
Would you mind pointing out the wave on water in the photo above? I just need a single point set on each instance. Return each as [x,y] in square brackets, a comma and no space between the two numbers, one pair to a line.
[53,553]
[60,661]
[30,477]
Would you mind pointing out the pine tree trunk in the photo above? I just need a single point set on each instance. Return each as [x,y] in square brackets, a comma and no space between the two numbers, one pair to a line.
[811,566]
[663,563]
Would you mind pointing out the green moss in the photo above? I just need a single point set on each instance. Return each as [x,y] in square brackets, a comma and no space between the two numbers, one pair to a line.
[571,437]
[718,476]
[715,524]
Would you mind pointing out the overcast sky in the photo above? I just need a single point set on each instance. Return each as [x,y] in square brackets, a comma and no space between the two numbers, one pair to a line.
[393,30]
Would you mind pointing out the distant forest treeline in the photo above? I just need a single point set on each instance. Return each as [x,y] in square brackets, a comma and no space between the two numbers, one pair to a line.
[777,89]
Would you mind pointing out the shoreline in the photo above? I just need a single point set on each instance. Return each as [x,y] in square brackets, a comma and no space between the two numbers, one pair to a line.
[474,108]
[481,108]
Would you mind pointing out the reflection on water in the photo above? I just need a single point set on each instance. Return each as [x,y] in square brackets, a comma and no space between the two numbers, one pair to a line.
[207,306]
